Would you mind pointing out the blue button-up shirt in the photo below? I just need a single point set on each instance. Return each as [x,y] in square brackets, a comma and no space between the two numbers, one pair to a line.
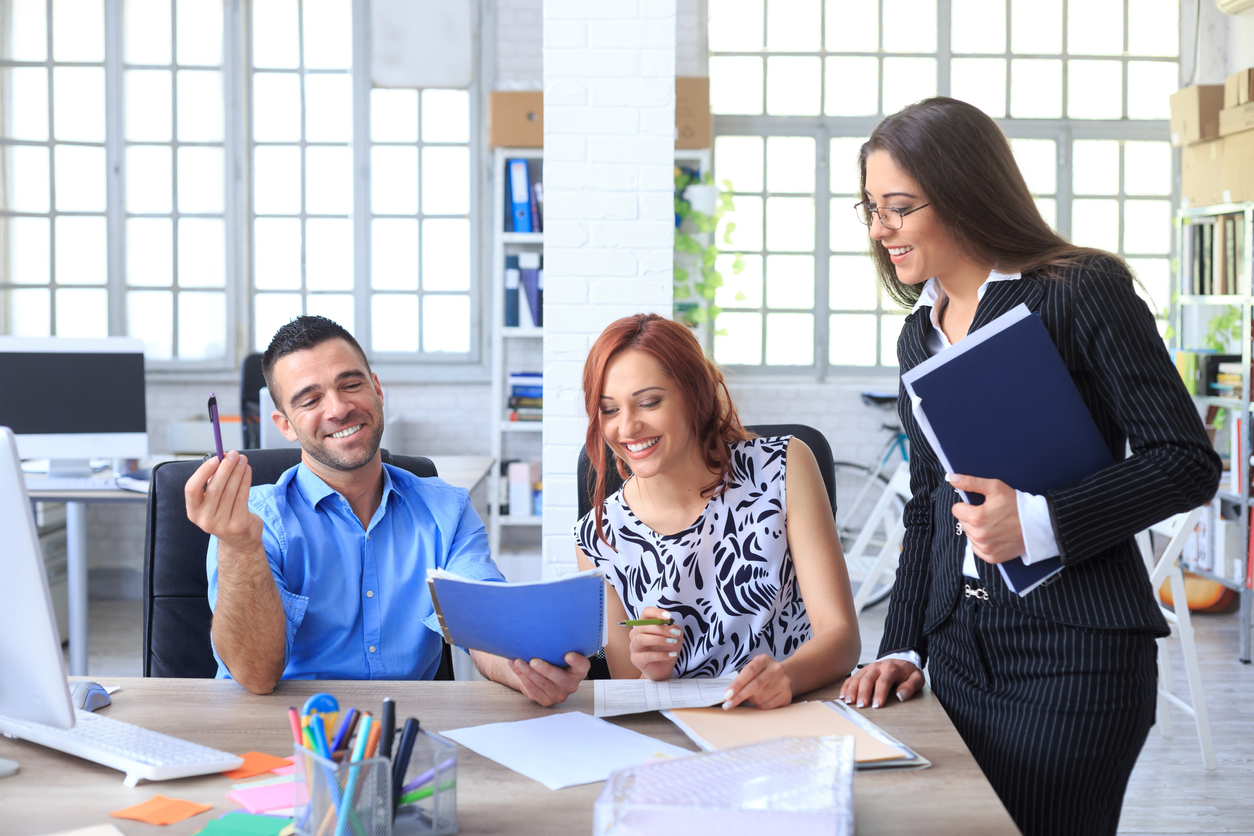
[356,600]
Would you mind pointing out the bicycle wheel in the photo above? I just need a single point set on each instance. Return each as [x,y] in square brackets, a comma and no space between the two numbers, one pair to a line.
[854,481]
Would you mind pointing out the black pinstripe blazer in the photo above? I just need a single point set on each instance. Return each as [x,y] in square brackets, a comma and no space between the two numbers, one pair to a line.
[1108,341]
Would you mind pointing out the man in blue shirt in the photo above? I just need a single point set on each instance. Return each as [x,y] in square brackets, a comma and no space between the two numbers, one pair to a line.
[323,575]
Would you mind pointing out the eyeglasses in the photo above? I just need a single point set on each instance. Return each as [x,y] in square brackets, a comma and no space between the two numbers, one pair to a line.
[891,218]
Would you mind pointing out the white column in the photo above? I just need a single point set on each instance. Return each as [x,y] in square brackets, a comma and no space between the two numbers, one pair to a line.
[609,118]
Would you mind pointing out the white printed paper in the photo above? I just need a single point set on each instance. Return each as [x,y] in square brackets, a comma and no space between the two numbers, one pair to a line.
[633,696]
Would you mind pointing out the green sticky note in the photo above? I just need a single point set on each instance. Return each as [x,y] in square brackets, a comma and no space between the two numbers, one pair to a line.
[245,824]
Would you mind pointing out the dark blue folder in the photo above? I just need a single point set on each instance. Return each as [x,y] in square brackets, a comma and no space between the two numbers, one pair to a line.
[1001,405]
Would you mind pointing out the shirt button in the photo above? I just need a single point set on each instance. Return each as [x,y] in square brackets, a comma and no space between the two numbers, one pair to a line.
[372,648]
[369,593]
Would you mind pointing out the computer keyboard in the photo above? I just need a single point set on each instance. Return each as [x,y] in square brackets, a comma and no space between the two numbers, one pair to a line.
[138,752]
[70,483]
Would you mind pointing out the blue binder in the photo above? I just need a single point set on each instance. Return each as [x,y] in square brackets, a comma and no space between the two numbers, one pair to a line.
[1001,405]
[511,291]
[542,620]
[520,195]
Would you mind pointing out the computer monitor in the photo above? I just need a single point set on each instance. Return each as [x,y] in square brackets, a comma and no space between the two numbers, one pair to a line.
[32,669]
[74,399]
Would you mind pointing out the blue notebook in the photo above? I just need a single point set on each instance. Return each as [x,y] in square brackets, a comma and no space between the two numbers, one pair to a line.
[1001,405]
[544,620]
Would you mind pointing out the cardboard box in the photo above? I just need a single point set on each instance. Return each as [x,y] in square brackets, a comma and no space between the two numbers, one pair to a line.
[1237,87]
[694,127]
[1201,173]
[1237,170]
[1234,120]
[516,119]
[1195,113]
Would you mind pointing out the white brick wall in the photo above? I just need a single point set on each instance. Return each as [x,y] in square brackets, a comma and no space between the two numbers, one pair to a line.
[609,115]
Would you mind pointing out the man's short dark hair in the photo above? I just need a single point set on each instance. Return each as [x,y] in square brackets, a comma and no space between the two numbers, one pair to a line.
[302,333]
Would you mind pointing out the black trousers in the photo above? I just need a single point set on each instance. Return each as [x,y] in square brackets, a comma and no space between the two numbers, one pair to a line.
[1054,715]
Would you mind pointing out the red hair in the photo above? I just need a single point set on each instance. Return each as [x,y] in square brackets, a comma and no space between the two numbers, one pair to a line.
[699,381]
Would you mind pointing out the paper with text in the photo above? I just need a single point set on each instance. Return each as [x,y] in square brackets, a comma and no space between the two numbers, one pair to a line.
[613,697]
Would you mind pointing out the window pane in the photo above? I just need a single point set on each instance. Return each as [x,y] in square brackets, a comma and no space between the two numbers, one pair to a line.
[1147,168]
[847,233]
[337,307]
[1149,85]
[793,25]
[851,340]
[150,317]
[446,323]
[80,178]
[1038,162]
[328,108]
[78,104]
[1095,223]
[394,180]
[78,30]
[83,313]
[1153,27]
[790,281]
[199,33]
[1147,227]
[790,224]
[30,313]
[1036,27]
[82,244]
[790,164]
[792,86]
[982,82]
[28,89]
[741,342]
[1035,88]
[907,80]
[1048,209]
[851,283]
[978,26]
[394,256]
[1095,90]
[735,25]
[739,159]
[202,253]
[445,116]
[1095,27]
[735,85]
[743,290]
[200,106]
[843,163]
[271,311]
[146,31]
[276,107]
[150,252]
[394,322]
[276,248]
[446,180]
[275,41]
[918,32]
[28,178]
[30,246]
[149,179]
[1155,274]
[890,331]
[789,339]
[393,115]
[276,180]
[200,180]
[329,254]
[1095,166]
[747,217]
[328,34]
[446,255]
[852,87]
[29,22]
[148,98]
[852,26]
[202,325]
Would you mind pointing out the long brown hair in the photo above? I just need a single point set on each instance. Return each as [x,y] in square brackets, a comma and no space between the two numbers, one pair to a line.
[964,165]
[702,389]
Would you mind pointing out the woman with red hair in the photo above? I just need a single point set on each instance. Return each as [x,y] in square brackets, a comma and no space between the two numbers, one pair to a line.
[727,535]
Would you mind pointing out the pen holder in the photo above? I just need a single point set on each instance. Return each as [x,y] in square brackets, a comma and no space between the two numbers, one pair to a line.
[429,805]
[341,799]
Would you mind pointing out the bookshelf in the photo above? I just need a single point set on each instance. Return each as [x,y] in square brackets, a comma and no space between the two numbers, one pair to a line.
[1212,288]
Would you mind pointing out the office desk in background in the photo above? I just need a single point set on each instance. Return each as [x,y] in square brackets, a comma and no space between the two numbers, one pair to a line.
[54,791]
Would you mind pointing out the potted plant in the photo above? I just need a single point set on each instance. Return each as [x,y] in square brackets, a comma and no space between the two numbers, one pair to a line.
[699,206]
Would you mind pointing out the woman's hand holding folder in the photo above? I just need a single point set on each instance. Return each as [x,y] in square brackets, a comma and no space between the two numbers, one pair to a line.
[992,527]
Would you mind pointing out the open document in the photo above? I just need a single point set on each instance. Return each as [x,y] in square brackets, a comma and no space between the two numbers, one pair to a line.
[613,697]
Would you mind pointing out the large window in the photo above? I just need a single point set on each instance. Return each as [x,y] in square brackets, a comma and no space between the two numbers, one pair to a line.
[797,85]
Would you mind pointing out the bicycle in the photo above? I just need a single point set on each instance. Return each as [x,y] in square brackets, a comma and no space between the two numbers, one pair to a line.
[876,499]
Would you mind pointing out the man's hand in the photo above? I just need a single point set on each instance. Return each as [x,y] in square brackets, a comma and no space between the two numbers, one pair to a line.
[872,684]
[655,649]
[763,682]
[992,528]
[548,684]
[217,502]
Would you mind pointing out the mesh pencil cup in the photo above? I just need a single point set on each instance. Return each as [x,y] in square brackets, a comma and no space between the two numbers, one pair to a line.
[428,801]
[341,799]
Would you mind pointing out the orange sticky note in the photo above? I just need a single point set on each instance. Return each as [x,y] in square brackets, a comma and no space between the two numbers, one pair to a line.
[255,763]
[161,810]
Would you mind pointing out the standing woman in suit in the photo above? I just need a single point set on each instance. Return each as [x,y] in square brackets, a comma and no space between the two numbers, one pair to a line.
[1054,692]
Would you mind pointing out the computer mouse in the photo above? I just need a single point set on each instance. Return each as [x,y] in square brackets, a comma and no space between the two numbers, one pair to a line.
[88,696]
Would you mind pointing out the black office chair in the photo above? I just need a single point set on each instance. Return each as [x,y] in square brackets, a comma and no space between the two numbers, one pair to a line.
[251,381]
[176,586]
[812,437]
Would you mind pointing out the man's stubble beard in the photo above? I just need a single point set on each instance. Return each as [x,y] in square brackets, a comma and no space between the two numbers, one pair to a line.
[320,453]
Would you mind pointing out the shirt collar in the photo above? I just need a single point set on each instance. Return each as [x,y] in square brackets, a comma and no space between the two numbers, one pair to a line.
[315,490]
[931,293]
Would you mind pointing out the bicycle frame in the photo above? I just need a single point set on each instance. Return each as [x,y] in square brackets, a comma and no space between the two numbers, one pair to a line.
[896,443]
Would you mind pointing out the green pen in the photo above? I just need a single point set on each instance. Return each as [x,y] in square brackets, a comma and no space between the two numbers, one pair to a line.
[424,792]
[646,622]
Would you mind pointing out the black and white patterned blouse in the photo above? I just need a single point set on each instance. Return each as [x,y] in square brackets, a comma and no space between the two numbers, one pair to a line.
[728,579]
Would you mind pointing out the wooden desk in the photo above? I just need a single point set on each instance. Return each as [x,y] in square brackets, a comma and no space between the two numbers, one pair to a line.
[56,791]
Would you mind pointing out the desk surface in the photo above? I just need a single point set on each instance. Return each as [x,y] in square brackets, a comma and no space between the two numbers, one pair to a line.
[56,791]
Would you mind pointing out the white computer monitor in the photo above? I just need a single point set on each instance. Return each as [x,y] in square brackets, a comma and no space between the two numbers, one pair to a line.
[70,399]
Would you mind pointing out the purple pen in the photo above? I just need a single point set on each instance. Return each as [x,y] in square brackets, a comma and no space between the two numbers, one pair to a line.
[217,429]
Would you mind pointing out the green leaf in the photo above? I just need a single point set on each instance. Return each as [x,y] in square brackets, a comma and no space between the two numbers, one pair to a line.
[740,296]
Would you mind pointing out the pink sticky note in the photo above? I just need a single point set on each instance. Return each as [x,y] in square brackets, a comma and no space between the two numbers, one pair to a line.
[284,770]
[261,799]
